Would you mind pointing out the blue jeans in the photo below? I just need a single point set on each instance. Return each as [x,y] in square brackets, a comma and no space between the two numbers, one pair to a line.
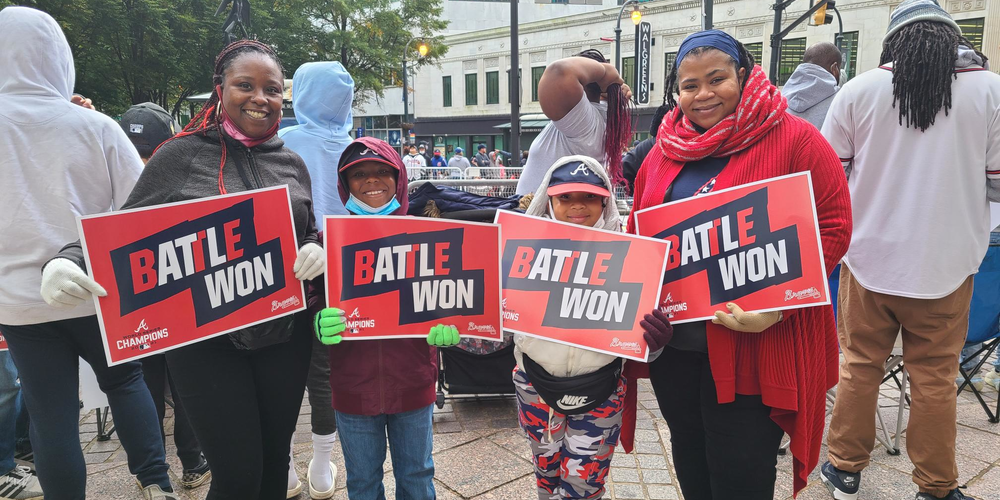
[47,357]
[13,417]
[363,439]
[968,362]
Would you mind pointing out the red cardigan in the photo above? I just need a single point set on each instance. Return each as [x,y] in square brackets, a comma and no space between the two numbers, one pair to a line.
[793,363]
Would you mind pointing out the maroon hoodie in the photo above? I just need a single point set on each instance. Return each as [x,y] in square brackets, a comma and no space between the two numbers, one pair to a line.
[372,377]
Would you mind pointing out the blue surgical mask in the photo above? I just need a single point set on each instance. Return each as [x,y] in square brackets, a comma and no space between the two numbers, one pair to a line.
[358,207]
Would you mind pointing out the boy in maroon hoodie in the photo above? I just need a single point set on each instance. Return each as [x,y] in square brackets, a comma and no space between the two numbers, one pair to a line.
[380,387]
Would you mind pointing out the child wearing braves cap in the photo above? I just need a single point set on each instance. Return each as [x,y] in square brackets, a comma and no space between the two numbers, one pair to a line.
[380,387]
[570,400]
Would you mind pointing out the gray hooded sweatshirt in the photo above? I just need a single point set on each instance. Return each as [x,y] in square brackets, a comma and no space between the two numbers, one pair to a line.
[59,161]
[810,92]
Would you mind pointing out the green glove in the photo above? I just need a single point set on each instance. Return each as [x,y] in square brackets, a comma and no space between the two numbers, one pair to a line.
[443,336]
[329,326]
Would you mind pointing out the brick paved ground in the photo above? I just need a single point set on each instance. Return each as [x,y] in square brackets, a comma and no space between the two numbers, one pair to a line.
[480,454]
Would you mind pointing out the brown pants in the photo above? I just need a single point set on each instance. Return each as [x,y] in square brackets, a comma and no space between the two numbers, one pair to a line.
[933,332]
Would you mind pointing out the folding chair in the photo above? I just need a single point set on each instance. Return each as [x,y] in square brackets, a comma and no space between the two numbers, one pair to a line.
[984,322]
[896,371]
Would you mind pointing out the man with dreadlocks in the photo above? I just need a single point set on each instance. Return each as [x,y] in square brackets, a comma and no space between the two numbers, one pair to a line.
[587,101]
[919,138]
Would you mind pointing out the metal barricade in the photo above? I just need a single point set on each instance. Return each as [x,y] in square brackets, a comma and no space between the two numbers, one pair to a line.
[505,188]
[496,188]
[494,173]
[434,173]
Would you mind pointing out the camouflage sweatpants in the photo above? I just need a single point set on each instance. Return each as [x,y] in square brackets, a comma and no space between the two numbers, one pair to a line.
[571,453]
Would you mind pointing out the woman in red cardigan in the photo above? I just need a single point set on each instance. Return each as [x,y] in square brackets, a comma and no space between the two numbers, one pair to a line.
[729,388]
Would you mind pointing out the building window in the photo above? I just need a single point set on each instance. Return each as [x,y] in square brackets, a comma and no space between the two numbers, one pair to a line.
[668,62]
[518,91]
[791,56]
[850,50]
[471,89]
[446,87]
[536,76]
[756,50]
[973,31]
[493,87]
[628,71]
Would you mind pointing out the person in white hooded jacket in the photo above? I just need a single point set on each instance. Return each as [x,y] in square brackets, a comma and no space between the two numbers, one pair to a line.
[569,399]
[61,161]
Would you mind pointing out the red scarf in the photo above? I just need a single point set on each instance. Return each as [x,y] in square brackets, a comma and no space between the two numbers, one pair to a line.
[761,108]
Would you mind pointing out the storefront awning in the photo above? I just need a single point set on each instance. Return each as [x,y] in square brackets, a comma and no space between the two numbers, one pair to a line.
[529,123]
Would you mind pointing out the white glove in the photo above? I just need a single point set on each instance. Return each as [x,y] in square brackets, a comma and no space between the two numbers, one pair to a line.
[748,322]
[310,262]
[65,285]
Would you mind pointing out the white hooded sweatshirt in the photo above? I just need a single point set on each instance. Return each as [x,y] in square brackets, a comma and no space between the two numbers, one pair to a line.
[562,360]
[58,161]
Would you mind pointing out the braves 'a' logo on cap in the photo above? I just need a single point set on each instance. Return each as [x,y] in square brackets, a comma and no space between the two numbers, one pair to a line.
[581,168]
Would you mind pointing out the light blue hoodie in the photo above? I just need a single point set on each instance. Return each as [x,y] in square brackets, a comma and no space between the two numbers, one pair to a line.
[322,95]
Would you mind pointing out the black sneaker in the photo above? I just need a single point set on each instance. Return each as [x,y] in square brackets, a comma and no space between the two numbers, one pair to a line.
[955,494]
[196,476]
[20,484]
[842,485]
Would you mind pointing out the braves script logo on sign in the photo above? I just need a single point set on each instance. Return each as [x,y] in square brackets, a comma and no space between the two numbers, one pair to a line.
[285,304]
[425,268]
[808,293]
[741,254]
[626,346]
[583,281]
[217,257]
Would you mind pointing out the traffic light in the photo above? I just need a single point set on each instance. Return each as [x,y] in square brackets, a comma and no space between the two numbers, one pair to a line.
[821,17]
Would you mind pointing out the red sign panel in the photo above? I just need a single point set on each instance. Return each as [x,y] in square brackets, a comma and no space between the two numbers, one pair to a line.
[396,277]
[188,271]
[757,245]
[577,285]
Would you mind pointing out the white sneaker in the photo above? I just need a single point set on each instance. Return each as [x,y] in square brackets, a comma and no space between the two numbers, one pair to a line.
[154,492]
[294,491]
[323,495]
[975,381]
[993,379]
[20,484]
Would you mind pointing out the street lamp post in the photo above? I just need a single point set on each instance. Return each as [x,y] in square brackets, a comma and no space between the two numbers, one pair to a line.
[636,19]
[422,49]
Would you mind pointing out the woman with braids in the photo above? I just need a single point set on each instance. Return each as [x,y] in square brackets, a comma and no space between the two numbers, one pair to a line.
[587,101]
[920,141]
[242,391]
[729,388]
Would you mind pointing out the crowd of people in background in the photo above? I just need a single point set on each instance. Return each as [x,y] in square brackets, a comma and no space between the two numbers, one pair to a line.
[904,159]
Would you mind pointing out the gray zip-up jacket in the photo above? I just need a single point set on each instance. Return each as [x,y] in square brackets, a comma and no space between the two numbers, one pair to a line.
[810,92]
[187,168]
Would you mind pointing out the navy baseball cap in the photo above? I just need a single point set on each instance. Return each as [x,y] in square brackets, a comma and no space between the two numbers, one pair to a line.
[357,153]
[576,177]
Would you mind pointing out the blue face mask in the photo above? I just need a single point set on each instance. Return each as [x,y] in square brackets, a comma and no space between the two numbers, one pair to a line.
[358,207]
